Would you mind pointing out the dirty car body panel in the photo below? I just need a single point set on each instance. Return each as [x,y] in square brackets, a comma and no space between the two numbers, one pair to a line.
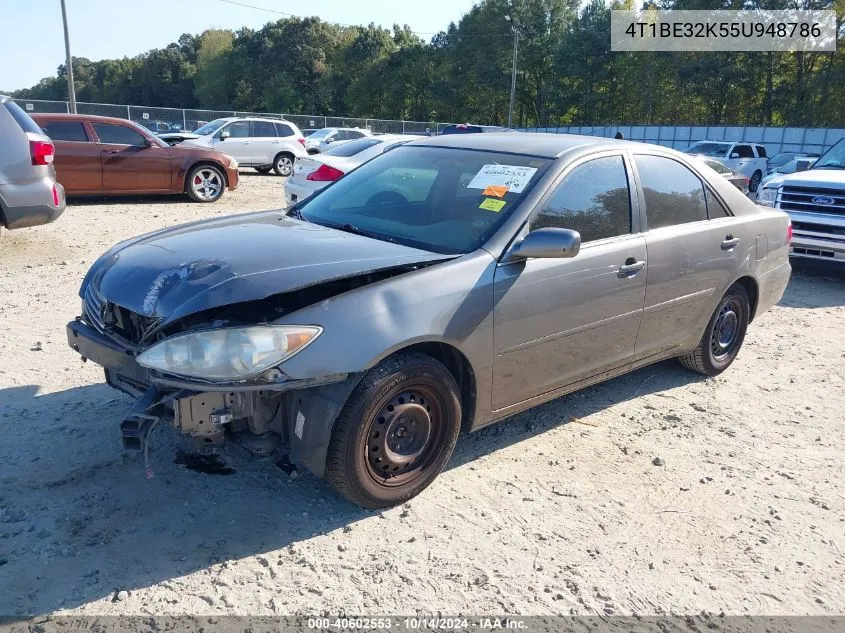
[446,280]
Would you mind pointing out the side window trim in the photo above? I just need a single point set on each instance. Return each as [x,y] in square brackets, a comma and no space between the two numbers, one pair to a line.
[641,191]
[633,202]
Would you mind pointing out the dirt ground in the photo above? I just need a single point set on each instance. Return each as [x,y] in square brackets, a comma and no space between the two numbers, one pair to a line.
[560,510]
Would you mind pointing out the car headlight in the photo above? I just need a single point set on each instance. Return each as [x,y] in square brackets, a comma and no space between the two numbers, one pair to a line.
[233,164]
[228,354]
[767,196]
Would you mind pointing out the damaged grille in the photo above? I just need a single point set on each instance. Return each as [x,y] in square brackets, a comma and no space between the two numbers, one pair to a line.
[110,318]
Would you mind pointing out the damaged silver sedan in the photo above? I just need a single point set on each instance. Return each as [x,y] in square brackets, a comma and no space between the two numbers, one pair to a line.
[444,285]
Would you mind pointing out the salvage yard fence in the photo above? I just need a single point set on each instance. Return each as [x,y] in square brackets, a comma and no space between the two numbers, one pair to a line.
[187,120]
[776,139]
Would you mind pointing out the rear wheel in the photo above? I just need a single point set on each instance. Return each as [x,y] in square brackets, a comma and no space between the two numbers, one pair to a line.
[205,183]
[263,170]
[754,181]
[723,336]
[396,432]
[283,164]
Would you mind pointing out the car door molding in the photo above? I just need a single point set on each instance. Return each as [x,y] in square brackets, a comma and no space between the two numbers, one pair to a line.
[679,300]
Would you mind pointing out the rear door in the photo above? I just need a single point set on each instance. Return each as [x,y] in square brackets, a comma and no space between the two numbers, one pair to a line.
[128,164]
[694,248]
[264,142]
[559,321]
[238,143]
[77,161]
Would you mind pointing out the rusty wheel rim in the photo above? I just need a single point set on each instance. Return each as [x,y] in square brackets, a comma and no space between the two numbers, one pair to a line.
[404,437]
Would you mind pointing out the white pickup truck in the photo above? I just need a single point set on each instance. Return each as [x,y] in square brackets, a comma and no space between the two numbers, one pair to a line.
[748,159]
[815,201]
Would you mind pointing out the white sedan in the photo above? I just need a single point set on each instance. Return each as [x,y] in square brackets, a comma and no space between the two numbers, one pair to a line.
[312,173]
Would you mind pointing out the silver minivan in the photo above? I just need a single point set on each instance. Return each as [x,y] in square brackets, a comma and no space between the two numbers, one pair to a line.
[29,193]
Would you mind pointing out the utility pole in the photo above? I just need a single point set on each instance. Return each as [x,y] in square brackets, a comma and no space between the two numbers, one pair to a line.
[71,93]
[513,75]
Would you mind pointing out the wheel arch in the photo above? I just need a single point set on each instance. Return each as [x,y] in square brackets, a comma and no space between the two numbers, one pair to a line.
[752,288]
[207,162]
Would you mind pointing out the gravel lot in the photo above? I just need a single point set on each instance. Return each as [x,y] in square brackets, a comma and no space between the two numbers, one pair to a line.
[559,510]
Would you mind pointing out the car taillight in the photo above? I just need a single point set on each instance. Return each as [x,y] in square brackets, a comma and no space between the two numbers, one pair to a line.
[324,173]
[42,152]
[789,233]
[301,141]
[55,196]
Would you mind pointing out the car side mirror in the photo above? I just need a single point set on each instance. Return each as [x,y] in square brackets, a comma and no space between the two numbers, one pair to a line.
[802,165]
[148,142]
[224,135]
[549,243]
[734,155]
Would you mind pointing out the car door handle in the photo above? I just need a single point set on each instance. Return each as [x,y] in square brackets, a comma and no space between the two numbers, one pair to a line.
[112,151]
[729,242]
[630,268]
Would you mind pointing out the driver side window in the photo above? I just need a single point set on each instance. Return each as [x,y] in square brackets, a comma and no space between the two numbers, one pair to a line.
[238,129]
[592,199]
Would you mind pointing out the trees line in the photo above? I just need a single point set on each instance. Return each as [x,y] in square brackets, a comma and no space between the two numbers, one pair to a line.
[567,74]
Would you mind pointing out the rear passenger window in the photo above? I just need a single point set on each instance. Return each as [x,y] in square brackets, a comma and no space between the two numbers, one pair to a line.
[744,151]
[263,129]
[673,194]
[715,209]
[761,151]
[283,130]
[66,131]
[118,134]
[593,199]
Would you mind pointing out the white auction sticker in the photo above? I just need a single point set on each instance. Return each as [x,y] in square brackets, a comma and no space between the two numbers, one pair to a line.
[513,177]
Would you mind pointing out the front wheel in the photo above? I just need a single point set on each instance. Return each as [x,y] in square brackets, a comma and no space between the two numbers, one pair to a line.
[283,165]
[754,181]
[396,431]
[205,183]
[723,336]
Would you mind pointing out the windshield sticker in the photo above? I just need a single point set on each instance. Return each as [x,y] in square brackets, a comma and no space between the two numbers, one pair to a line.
[497,191]
[514,177]
[491,204]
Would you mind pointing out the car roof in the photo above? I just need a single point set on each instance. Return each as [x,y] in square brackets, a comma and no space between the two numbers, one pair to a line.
[63,116]
[529,143]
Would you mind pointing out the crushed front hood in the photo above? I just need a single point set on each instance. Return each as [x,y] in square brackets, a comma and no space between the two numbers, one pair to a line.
[175,272]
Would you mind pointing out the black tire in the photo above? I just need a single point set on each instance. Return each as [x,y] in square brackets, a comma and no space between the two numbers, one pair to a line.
[403,421]
[198,192]
[754,181]
[723,337]
[283,164]
[263,170]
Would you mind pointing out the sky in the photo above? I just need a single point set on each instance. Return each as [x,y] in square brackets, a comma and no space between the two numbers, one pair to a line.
[104,29]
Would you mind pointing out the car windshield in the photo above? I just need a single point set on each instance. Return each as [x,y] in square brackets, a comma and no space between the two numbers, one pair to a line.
[834,158]
[433,198]
[353,147]
[321,133]
[210,128]
[707,148]
[781,159]
[717,166]
[788,168]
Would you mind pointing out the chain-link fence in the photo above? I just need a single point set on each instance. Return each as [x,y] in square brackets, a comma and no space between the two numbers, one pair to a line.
[160,120]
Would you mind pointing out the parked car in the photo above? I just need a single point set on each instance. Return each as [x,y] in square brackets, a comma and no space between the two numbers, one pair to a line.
[815,201]
[737,180]
[748,159]
[796,164]
[29,193]
[779,160]
[306,132]
[312,173]
[321,140]
[264,144]
[470,128]
[107,156]
[443,285]
[160,127]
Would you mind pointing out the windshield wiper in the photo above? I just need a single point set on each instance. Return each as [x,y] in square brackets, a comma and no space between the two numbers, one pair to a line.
[351,228]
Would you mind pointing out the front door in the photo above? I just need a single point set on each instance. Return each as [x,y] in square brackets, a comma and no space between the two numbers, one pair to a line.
[234,140]
[128,164]
[694,246]
[559,321]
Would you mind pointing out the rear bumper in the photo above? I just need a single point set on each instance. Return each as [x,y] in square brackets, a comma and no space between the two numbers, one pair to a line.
[39,207]
[296,192]
[772,285]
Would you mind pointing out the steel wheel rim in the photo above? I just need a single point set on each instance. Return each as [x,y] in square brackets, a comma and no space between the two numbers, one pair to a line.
[725,334]
[207,184]
[404,436]
[284,165]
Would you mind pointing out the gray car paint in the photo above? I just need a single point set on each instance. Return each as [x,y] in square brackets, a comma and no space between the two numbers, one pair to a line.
[528,330]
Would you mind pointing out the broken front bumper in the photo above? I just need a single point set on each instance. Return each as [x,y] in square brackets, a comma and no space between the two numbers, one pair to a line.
[206,410]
